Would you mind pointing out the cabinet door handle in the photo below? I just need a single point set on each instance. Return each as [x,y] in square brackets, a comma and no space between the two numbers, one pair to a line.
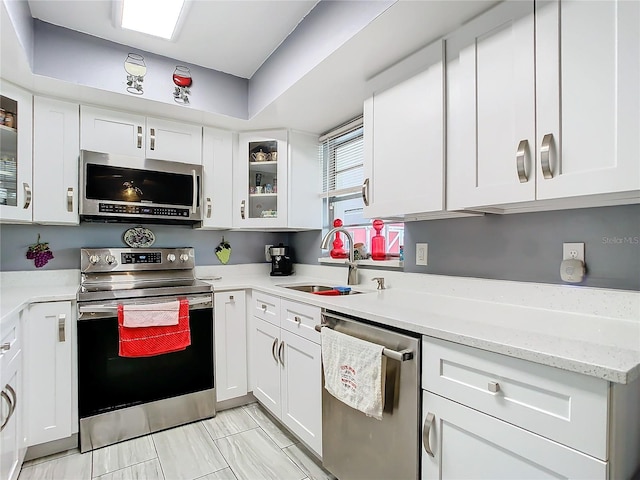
[139,136]
[6,398]
[281,353]
[61,327]
[15,399]
[273,349]
[520,161]
[545,151]
[70,199]
[426,431]
[153,139]
[208,207]
[242,209]
[365,192]
[27,195]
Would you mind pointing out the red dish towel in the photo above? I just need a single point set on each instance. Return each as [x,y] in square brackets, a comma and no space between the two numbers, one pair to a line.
[150,341]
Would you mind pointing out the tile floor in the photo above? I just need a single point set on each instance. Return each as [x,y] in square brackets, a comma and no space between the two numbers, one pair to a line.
[243,443]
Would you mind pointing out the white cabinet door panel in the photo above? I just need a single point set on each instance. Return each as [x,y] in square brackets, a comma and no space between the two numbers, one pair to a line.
[108,131]
[230,345]
[56,150]
[174,141]
[217,165]
[467,444]
[266,366]
[588,72]
[302,389]
[48,372]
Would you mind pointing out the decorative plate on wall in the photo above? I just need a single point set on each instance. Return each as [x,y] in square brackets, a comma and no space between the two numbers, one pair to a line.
[139,237]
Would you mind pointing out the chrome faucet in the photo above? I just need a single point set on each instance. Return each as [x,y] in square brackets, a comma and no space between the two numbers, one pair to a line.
[352,278]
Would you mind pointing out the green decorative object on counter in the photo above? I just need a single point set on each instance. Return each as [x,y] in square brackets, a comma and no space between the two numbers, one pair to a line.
[39,252]
[223,251]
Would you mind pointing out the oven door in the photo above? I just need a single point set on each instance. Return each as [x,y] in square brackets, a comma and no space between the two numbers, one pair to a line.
[108,382]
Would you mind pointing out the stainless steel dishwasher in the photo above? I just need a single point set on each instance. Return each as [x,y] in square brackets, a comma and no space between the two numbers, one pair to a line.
[358,447]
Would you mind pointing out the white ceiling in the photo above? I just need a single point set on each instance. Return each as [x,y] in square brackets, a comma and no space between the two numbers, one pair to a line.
[230,36]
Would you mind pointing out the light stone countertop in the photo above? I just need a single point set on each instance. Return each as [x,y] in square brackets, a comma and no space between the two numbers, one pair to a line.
[591,331]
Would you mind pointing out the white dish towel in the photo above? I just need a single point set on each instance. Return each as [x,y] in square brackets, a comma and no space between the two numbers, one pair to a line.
[151,315]
[354,371]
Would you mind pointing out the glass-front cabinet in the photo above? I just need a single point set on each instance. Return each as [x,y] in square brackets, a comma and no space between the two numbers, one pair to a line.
[261,180]
[15,154]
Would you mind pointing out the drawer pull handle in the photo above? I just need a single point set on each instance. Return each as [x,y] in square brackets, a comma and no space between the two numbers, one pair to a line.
[231,298]
[5,347]
[273,349]
[264,307]
[426,431]
[297,319]
[520,161]
[281,353]
[493,387]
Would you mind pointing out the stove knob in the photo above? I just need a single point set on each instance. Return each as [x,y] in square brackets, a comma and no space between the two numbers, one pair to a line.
[110,259]
[93,259]
[171,258]
[184,257]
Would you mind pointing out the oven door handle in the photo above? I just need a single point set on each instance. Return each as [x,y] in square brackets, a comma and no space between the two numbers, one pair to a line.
[114,308]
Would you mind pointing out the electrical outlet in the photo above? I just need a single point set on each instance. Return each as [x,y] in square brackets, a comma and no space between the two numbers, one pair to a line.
[267,255]
[573,251]
[422,250]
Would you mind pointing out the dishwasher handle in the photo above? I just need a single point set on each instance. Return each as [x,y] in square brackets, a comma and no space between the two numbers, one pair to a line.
[401,356]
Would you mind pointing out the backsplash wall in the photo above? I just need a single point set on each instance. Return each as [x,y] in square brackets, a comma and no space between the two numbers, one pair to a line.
[522,247]
[65,242]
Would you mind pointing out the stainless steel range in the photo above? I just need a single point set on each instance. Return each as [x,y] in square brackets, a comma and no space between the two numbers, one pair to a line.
[120,397]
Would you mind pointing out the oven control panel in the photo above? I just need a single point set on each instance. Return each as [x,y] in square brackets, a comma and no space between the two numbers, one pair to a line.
[136,259]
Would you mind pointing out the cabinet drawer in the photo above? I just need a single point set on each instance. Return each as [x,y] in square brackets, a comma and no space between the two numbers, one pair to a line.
[11,342]
[563,406]
[266,307]
[301,319]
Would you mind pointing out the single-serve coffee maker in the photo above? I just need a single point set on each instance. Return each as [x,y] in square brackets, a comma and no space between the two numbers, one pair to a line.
[281,263]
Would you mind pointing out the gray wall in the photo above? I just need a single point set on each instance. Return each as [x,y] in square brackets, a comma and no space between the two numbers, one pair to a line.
[523,247]
[65,242]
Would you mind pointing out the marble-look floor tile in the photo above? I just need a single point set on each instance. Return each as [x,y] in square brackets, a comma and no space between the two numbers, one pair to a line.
[149,470]
[187,452]
[70,467]
[123,454]
[253,455]
[307,463]
[36,461]
[276,432]
[225,474]
[229,422]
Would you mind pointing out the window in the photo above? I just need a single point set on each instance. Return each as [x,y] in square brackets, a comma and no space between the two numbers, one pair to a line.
[342,157]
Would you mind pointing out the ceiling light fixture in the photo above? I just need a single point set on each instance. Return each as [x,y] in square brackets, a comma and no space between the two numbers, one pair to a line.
[152,17]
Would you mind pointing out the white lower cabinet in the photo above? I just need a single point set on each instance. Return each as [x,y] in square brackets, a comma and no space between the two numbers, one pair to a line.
[466,443]
[230,339]
[50,378]
[12,400]
[490,416]
[287,366]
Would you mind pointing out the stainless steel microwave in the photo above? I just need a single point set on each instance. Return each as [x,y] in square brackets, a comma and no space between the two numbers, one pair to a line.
[118,188]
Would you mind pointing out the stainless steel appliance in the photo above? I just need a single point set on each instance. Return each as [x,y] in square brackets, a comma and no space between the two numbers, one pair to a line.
[120,188]
[121,398]
[355,446]
[281,262]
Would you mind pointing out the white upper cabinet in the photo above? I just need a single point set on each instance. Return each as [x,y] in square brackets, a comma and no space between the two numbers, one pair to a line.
[121,133]
[404,138]
[588,97]
[16,155]
[217,165]
[545,105]
[277,181]
[56,149]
